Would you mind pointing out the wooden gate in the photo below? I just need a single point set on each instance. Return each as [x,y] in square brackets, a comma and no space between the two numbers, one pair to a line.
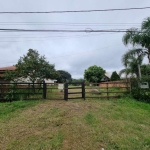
[74,91]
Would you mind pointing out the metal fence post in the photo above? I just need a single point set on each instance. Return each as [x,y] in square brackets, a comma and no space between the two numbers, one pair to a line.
[66,91]
[44,90]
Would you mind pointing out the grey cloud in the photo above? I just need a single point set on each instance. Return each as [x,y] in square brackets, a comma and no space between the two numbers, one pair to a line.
[72,52]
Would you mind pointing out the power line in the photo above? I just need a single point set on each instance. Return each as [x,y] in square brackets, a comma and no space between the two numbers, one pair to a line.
[87,30]
[72,22]
[73,11]
[70,25]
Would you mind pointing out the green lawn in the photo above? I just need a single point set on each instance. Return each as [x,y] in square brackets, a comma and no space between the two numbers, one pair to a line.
[75,125]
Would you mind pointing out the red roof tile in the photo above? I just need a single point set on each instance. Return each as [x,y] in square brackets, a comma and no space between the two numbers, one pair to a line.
[8,68]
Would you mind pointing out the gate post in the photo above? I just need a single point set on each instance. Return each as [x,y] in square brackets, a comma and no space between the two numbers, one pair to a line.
[44,90]
[83,90]
[107,91]
[66,91]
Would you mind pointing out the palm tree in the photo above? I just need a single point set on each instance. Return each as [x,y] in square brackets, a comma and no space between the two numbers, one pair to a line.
[125,71]
[141,37]
[131,59]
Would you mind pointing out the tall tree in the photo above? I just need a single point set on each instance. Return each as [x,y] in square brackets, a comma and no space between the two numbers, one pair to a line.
[94,74]
[131,59]
[64,76]
[114,76]
[33,66]
[141,37]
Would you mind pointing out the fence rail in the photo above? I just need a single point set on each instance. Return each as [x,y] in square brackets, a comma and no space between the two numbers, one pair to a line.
[70,90]
[16,91]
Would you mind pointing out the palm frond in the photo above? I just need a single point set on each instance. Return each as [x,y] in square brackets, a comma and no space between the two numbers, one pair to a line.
[146,24]
[131,36]
[126,71]
[133,54]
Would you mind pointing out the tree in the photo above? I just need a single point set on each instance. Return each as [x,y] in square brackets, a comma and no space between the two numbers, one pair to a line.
[32,66]
[78,80]
[64,76]
[125,71]
[114,76]
[94,74]
[139,37]
[145,70]
[131,59]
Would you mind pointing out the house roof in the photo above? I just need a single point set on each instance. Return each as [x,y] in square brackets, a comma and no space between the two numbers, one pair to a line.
[3,69]
[8,68]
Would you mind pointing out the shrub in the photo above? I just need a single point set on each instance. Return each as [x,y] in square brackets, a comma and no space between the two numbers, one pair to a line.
[139,93]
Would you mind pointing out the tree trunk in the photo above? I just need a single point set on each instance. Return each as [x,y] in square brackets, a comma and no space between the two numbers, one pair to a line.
[149,55]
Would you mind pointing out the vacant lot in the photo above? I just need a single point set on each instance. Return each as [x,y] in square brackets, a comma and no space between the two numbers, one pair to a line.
[75,125]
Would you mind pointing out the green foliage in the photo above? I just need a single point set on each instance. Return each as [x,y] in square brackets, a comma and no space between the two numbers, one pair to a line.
[114,76]
[94,74]
[11,94]
[10,75]
[139,93]
[145,70]
[77,80]
[32,66]
[131,59]
[139,37]
[64,76]
[20,93]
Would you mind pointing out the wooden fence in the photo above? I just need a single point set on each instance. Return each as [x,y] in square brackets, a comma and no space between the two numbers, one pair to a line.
[70,91]
[106,89]
[15,91]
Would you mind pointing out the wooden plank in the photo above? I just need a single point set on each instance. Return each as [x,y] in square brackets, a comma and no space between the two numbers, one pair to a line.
[74,97]
[22,88]
[102,97]
[21,83]
[21,93]
[74,88]
[52,88]
[104,92]
[55,98]
[104,87]
[75,93]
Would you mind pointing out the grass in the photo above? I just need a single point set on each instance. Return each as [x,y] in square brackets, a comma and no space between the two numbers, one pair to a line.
[9,109]
[75,125]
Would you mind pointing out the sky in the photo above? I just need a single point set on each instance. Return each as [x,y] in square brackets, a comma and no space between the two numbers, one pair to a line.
[72,52]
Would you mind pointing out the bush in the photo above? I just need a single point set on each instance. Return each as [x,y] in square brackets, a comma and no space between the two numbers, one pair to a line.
[16,93]
[139,93]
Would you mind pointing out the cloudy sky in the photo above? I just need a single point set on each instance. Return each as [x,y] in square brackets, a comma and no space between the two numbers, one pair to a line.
[73,52]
